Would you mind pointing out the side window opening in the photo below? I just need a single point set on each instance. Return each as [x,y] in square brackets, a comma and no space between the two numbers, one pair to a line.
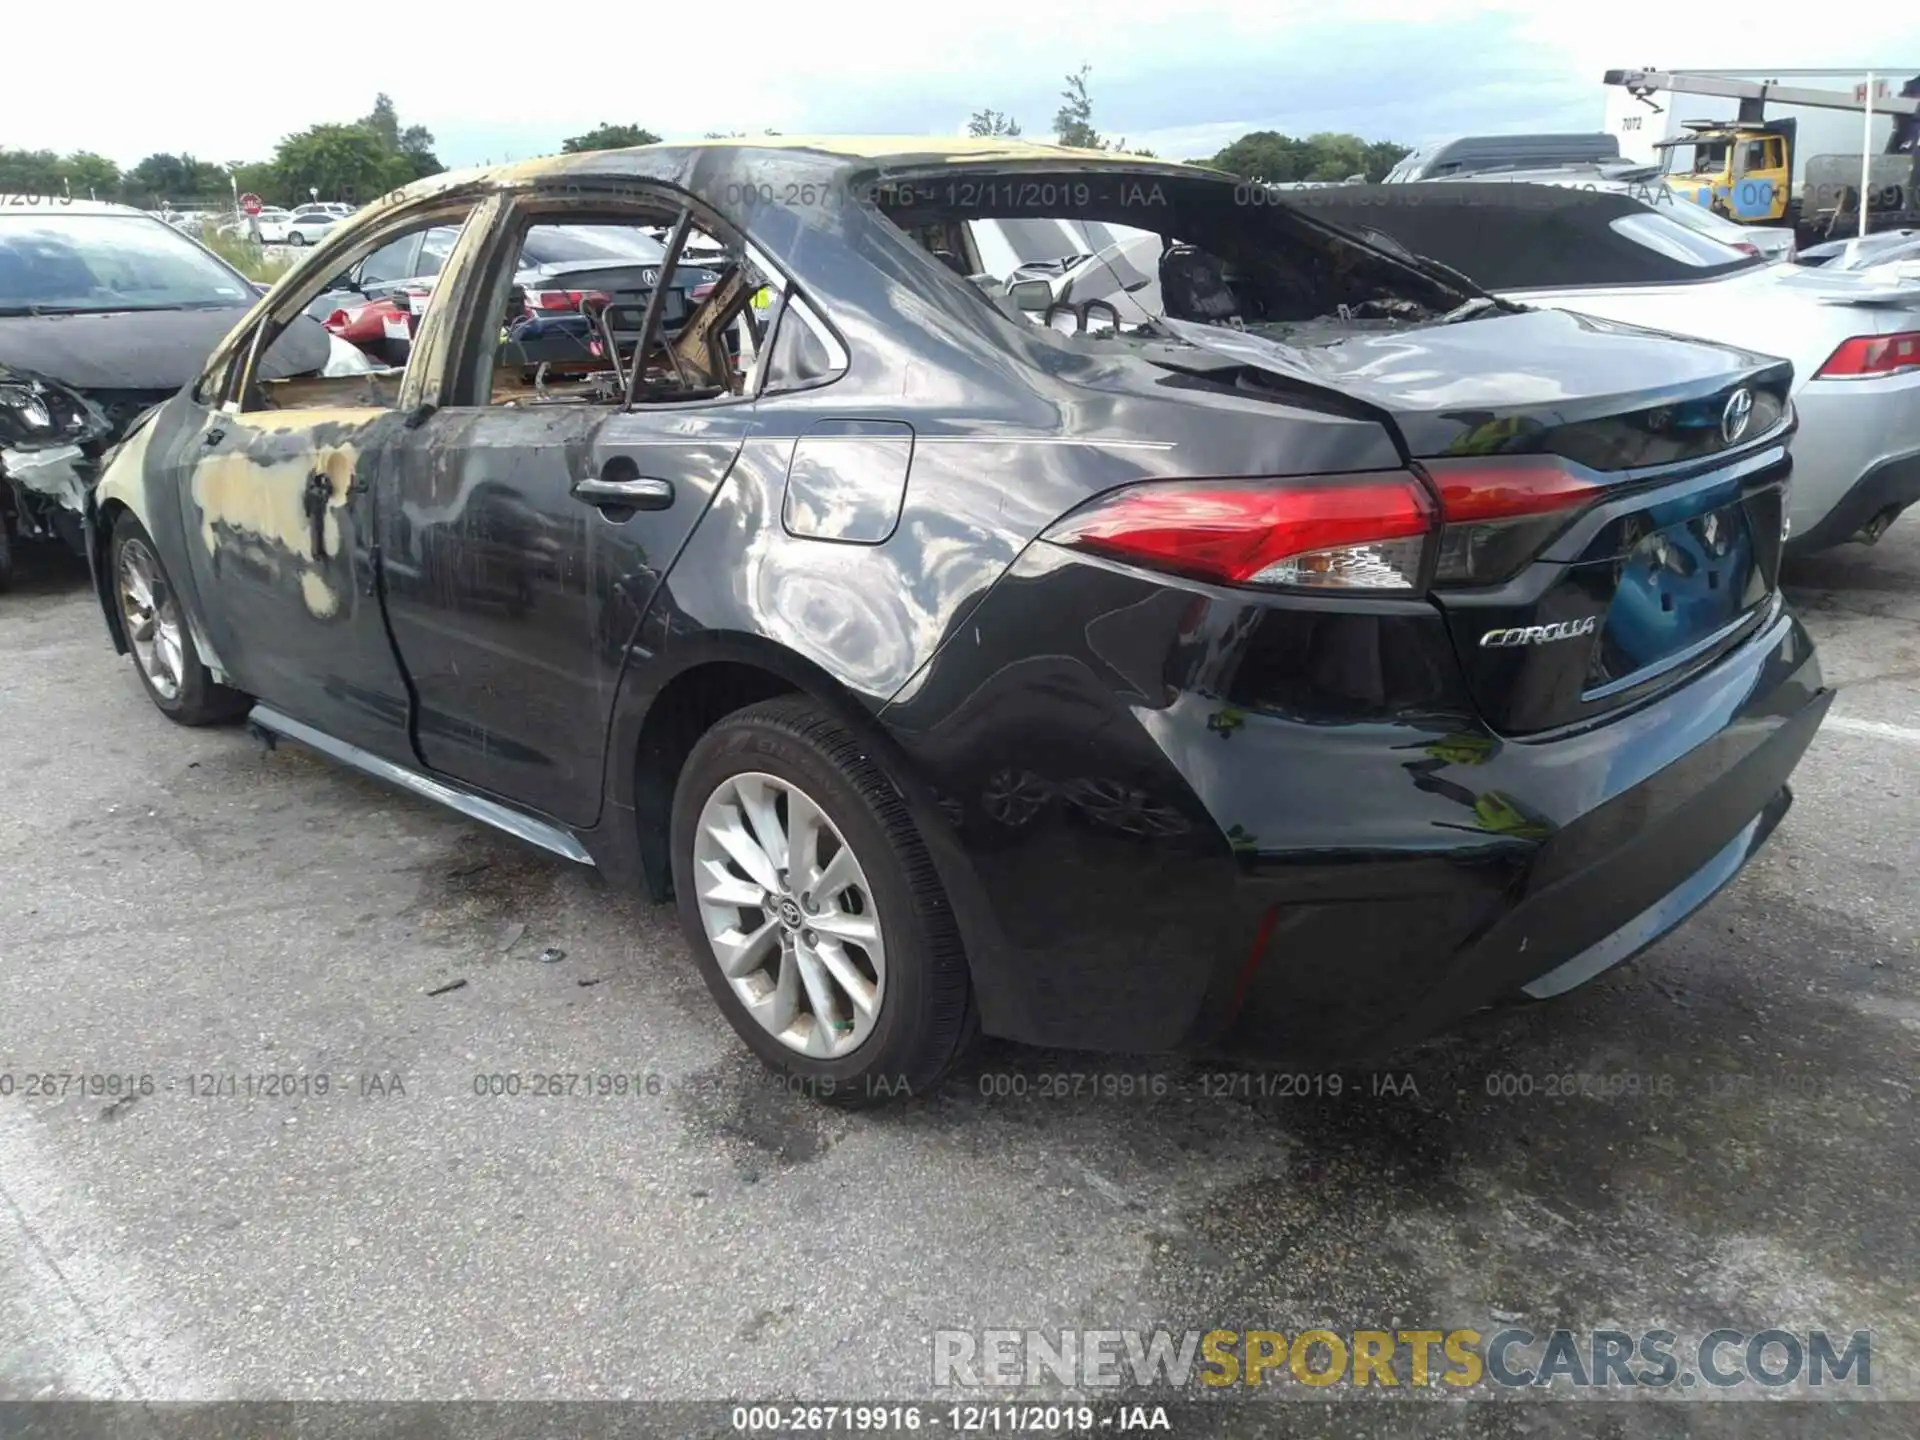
[573,302]
[805,352]
[363,340]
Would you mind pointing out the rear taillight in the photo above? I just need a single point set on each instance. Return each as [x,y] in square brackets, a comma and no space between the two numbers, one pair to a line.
[1867,357]
[551,301]
[1499,512]
[1746,247]
[1340,532]
[702,290]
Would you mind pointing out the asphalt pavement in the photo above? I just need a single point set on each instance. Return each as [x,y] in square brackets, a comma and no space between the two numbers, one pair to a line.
[190,907]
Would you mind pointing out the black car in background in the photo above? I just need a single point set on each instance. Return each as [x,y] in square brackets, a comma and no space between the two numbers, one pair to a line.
[104,312]
[1294,669]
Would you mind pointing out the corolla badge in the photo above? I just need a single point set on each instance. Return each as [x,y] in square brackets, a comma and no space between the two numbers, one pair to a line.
[1733,419]
[1538,634]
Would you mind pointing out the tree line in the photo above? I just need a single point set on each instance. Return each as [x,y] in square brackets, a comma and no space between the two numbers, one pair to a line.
[353,161]
[367,157]
[1265,155]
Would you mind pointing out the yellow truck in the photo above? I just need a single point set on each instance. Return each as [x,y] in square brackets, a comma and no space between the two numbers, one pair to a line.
[1761,171]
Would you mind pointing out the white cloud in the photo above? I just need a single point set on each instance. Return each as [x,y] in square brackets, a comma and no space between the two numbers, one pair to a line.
[226,79]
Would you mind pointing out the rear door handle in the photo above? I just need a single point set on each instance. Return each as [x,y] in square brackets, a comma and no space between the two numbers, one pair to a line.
[640,493]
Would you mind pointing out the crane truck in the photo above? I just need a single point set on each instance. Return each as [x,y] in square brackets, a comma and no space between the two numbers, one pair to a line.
[1786,170]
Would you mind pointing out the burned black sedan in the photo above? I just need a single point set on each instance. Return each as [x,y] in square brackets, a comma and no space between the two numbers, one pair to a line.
[1329,652]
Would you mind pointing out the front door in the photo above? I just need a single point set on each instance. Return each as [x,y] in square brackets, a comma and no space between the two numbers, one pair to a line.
[278,509]
[280,487]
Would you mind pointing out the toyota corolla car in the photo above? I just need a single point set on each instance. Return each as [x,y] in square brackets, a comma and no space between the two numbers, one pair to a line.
[1338,653]
[1853,338]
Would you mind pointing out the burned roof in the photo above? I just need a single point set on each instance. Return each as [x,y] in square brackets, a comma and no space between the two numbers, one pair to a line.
[866,151]
[1509,236]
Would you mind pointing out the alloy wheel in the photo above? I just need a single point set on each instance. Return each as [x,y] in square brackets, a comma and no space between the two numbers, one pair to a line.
[153,619]
[791,918]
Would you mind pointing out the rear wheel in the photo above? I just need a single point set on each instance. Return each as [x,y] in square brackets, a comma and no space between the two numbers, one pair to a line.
[6,553]
[820,924]
[296,238]
[169,667]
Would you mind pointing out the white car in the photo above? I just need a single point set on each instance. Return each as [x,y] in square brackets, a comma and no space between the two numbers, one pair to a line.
[1863,252]
[310,225]
[270,225]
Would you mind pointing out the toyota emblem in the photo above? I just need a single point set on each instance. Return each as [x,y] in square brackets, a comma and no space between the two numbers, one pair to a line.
[1733,420]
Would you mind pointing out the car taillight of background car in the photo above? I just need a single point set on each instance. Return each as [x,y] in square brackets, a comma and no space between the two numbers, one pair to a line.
[1872,357]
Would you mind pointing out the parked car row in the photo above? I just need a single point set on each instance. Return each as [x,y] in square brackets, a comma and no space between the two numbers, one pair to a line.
[1130,653]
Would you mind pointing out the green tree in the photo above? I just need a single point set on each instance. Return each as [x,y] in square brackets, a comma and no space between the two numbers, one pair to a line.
[258,177]
[416,148]
[173,179]
[342,162]
[384,121]
[414,144]
[1073,121]
[88,175]
[1382,156]
[1280,159]
[29,172]
[609,137]
[992,122]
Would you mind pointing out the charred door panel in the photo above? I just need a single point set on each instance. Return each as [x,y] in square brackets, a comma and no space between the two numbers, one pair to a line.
[278,514]
[521,548]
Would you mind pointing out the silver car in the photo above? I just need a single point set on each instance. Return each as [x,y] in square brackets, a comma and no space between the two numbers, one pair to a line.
[1863,252]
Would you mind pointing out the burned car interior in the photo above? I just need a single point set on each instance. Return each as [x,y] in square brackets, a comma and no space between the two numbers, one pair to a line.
[1204,251]
[580,339]
[584,346]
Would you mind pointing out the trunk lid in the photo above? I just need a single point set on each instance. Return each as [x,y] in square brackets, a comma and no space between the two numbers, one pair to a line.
[1668,455]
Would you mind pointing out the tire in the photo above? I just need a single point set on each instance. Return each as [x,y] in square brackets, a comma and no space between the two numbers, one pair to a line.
[294,237]
[920,1017]
[190,696]
[6,554]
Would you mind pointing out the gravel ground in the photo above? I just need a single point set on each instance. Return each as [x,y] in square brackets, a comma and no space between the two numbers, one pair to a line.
[184,904]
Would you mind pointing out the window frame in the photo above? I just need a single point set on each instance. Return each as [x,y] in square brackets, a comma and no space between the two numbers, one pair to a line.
[577,202]
[230,374]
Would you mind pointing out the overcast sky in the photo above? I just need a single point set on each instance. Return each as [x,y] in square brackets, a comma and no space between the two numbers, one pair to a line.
[1181,78]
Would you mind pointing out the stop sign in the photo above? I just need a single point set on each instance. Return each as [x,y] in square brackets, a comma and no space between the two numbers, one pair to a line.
[250,203]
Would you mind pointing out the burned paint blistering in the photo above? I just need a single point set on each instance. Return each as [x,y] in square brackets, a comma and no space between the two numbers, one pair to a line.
[272,499]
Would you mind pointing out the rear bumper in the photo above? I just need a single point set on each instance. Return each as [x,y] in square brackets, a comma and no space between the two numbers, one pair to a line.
[1857,453]
[1892,484]
[1146,854]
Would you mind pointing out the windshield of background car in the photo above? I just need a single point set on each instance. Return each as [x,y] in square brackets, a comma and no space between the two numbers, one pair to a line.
[574,244]
[1678,241]
[79,264]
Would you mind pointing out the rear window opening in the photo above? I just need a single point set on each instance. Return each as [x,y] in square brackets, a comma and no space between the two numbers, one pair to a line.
[1112,254]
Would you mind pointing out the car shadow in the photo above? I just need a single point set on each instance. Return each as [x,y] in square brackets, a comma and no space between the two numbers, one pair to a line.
[44,568]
